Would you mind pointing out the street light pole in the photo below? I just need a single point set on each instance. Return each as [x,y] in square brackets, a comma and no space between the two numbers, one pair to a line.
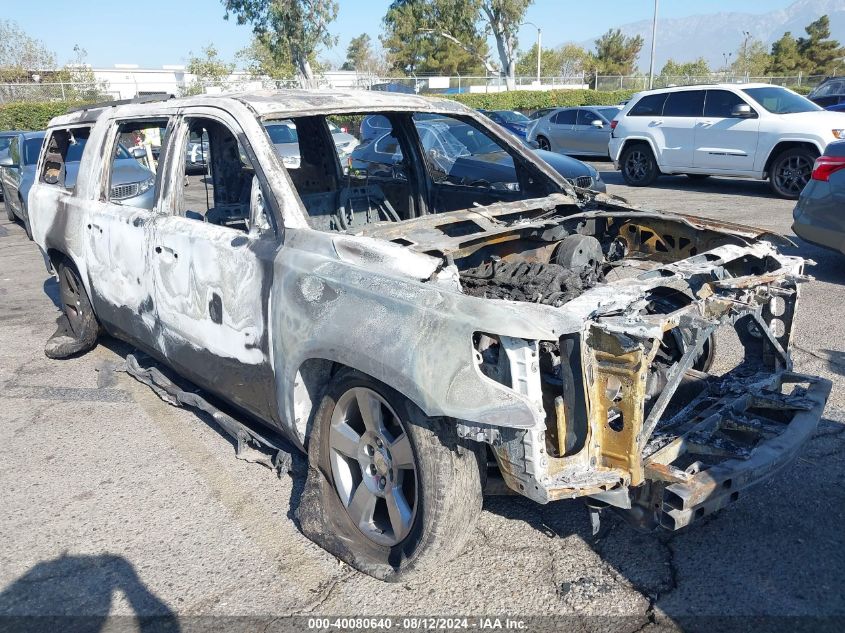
[653,44]
[539,47]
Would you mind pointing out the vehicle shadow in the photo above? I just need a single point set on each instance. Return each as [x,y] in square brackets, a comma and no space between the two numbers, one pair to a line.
[830,265]
[712,185]
[75,593]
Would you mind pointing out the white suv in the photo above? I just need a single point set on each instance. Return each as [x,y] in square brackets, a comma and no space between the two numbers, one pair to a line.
[747,130]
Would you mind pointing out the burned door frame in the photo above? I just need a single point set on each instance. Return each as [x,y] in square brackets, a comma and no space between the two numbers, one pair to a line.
[118,241]
[212,284]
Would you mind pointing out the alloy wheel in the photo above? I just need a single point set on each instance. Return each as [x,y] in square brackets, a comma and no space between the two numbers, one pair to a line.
[637,165]
[69,292]
[373,466]
[793,174]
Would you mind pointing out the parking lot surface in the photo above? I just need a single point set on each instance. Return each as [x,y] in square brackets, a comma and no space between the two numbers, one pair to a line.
[114,502]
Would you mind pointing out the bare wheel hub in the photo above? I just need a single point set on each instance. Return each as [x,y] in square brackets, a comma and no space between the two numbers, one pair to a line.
[373,466]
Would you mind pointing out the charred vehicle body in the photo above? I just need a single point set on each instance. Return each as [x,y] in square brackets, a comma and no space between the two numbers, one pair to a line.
[420,337]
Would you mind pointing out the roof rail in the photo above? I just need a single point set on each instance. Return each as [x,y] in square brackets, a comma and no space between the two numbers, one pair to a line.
[162,96]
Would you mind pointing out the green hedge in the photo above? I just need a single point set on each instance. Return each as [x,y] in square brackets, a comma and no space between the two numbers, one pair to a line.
[32,116]
[528,100]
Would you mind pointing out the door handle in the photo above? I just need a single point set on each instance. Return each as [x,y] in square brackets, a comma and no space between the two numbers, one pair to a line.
[705,123]
[92,226]
[657,122]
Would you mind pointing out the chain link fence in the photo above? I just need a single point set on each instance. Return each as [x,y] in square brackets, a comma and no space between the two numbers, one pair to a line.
[640,82]
[416,84]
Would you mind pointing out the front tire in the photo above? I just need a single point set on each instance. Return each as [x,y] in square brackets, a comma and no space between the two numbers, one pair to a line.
[790,172]
[544,143]
[389,491]
[639,167]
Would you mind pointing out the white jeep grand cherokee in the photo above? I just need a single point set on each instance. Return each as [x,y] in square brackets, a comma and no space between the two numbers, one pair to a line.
[746,130]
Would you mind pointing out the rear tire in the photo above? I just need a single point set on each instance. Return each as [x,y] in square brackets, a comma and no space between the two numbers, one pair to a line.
[790,172]
[544,143]
[639,167]
[78,328]
[388,518]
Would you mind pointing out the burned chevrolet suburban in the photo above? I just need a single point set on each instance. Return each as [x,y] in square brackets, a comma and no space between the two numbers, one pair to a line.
[419,336]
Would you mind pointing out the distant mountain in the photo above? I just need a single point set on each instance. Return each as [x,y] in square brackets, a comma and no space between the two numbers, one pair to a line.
[708,36]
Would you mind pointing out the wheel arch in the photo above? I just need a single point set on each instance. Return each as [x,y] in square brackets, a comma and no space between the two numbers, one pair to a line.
[56,255]
[638,140]
[309,383]
[783,146]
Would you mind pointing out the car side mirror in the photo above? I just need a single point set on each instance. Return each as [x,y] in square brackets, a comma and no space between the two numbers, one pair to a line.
[597,124]
[6,161]
[742,111]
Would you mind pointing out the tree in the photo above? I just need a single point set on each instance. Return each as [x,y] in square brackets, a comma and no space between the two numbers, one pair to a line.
[359,53]
[260,61]
[821,54]
[617,54]
[298,26]
[752,59]
[572,60]
[434,36]
[696,68]
[21,55]
[504,17]
[526,62]
[786,58]
[208,70]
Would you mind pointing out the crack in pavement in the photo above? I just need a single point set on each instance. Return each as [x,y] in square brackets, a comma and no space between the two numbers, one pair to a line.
[327,592]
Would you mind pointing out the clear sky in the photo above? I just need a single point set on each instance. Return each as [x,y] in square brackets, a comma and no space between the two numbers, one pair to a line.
[156,32]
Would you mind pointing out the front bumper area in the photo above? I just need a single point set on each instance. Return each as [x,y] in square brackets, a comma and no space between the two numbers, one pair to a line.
[669,443]
[730,444]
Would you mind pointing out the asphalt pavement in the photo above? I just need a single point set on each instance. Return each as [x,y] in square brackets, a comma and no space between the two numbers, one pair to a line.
[114,503]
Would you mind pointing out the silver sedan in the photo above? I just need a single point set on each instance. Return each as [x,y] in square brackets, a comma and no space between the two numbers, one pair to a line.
[582,131]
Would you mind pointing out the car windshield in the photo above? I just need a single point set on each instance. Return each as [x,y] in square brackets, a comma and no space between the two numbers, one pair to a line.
[282,133]
[31,149]
[781,101]
[512,117]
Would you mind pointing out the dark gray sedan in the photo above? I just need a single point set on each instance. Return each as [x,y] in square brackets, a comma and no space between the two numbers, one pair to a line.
[819,216]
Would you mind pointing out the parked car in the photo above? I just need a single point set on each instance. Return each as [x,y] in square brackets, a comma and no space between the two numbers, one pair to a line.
[743,130]
[464,160]
[830,92]
[540,113]
[511,120]
[582,131]
[5,139]
[818,216]
[17,172]
[462,333]
[285,139]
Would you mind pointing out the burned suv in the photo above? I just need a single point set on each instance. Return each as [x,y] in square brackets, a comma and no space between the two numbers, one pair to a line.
[420,336]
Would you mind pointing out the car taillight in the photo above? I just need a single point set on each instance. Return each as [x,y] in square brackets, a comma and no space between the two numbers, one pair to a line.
[826,165]
[613,124]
